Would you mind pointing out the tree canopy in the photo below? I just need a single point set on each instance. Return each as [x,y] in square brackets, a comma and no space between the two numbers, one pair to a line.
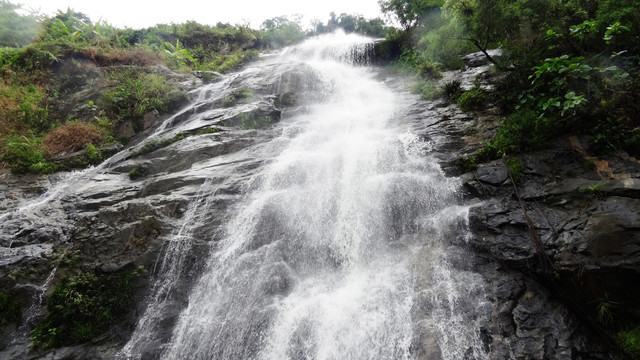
[408,13]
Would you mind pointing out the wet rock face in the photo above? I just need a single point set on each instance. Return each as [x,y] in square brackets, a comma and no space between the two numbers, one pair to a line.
[584,210]
[101,220]
[105,221]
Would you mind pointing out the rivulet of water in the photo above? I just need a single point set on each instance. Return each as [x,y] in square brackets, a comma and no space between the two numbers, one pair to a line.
[338,248]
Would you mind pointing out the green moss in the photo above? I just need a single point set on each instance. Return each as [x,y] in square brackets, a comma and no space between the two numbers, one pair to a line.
[137,173]
[84,306]
[208,131]
[287,99]
[153,145]
[10,312]
[467,163]
[629,341]
[235,96]
[252,120]
[515,169]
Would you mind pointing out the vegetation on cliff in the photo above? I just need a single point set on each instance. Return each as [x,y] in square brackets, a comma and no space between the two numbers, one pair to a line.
[568,66]
[43,60]
[85,305]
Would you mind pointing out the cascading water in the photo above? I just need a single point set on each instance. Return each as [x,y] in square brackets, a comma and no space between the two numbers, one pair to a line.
[339,247]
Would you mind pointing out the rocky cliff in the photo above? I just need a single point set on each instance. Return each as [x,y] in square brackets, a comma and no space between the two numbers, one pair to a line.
[556,242]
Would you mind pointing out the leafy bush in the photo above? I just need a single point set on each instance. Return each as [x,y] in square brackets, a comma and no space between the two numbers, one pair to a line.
[474,99]
[137,93]
[24,154]
[429,70]
[23,106]
[521,131]
[92,155]
[84,306]
[629,341]
[453,89]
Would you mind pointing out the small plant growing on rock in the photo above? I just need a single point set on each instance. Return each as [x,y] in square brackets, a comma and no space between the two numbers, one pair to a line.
[137,173]
[427,89]
[10,312]
[207,131]
[25,154]
[235,96]
[92,154]
[467,163]
[515,169]
[629,341]
[84,306]
[474,99]
[453,89]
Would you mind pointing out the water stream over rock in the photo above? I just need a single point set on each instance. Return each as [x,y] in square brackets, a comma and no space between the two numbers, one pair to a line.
[337,248]
[295,210]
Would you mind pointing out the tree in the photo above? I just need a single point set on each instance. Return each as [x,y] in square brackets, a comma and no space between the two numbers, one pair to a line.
[280,31]
[409,13]
[486,22]
[16,30]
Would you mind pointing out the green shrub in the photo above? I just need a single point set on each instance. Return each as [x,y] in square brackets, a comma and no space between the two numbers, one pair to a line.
[629,341]
[24,154]
[137,93]
[23,106]
[84,306]
[521,131]
[474,99]
[279,32]
[427,89]
[92,155]
[429,70]
[632,142]
[453,89]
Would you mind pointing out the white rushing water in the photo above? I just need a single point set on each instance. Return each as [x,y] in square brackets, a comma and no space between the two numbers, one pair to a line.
[339,248]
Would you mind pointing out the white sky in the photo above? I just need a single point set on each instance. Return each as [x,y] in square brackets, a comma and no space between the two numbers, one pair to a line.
[138,14]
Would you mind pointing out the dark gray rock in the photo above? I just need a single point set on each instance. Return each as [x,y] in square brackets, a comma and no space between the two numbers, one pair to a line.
[494,173]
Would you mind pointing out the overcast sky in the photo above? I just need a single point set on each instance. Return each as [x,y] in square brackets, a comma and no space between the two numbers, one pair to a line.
[139,14]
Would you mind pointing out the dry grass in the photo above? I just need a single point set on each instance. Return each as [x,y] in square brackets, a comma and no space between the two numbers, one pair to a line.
[71,137]
[139,56]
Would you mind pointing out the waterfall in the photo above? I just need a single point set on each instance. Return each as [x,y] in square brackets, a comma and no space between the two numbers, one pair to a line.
[338,248]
